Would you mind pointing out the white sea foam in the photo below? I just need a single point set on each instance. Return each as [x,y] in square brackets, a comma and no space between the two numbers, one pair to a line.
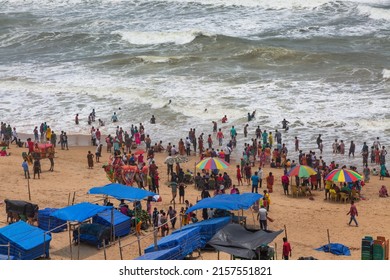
[156,37]
[376,13]
[386,74]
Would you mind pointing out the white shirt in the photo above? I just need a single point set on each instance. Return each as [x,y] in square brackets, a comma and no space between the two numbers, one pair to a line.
[260,174]
[263,214]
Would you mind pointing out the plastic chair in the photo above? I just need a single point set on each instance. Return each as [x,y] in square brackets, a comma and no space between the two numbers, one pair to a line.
[343,197]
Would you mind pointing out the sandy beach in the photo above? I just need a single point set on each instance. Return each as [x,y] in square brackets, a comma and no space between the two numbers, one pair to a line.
[306,220]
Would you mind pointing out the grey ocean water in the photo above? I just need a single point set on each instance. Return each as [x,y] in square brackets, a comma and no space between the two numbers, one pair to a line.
[322,65]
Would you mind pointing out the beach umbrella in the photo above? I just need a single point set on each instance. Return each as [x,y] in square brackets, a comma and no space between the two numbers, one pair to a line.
[343,175]
[212,163]
[302,171]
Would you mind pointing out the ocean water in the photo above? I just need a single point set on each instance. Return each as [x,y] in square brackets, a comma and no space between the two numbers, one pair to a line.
[323,65]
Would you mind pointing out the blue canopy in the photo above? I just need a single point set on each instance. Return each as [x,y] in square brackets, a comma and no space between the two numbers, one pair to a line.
[120,191]
[227,202]
[188,241]
[167,254]
[27,242]
[335,248]
[79,212]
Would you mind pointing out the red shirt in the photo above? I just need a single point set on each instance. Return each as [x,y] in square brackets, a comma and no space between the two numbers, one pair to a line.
[286,248]
[353,211]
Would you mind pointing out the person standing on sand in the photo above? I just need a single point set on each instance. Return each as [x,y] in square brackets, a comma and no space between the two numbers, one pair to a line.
[25,169]
[37,168]
[286,249]
[90,159]
[51,158]
[353,213]
[98,153]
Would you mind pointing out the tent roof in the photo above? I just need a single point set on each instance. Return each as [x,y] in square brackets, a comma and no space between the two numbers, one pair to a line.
[167,254]
[79,212]
[236,240]
[227,202]
[120,191]
[24,235]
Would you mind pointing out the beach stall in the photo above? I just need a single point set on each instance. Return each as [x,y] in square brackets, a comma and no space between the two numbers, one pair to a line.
[229,202]
[241,243]
[78,213]
[187,240]
[49,223]
[120,221]
[26,242]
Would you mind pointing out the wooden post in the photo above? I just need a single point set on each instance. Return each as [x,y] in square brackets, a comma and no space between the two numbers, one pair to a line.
[44,244]
[68,199]
[218,254]
[328,240]
[112,226]
[9,250]
[139,245]
[79,242]
[104,250]
[74,196]
[276,251]
[28,187]
[285,231]
[70,240]
[120,248]
[155,238]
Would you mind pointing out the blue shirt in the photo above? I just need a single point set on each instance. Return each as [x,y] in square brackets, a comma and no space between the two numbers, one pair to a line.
[255,180]
[25,165]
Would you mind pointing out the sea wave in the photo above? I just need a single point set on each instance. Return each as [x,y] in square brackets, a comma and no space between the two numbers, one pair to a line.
[158,38]
[375,12]
[386,74]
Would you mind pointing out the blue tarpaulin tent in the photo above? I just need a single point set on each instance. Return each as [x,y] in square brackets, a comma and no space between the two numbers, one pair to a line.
[335,248]
[46,222]
[167,254]
[121,222]
[188,240]
[120,191]
[27,242]
[227,202]
[207,227]
[79,212]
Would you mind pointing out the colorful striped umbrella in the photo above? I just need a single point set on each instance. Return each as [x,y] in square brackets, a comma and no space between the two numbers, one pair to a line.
[343,175]
[212,163]
[302,171]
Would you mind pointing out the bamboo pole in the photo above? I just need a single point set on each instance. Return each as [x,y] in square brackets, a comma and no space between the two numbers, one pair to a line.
[70,241]
[139,245]
[28,187]
[328,240]
[104,250]
[74,196]
[9,250]
[285,231]
[120,248]
[276,251]
[79,242]
[68,199]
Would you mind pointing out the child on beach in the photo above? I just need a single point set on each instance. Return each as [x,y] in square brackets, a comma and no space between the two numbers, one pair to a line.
[286,249]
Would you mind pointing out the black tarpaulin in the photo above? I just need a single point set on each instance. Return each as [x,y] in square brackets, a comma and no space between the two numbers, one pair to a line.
[236,240]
